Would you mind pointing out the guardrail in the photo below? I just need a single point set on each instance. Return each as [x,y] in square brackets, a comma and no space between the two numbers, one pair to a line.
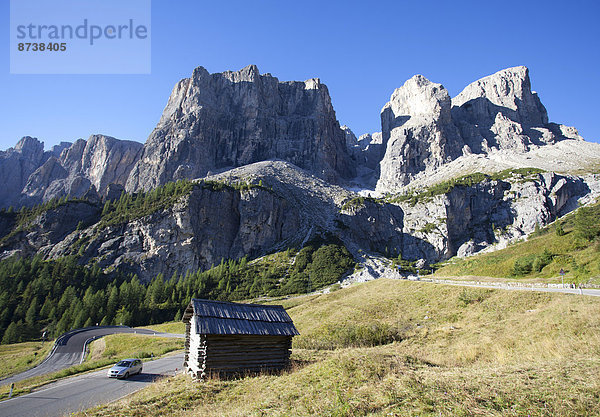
[507,283]
[85,345]
[61,340]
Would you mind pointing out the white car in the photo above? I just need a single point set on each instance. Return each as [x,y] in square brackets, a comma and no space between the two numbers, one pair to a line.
[125,368]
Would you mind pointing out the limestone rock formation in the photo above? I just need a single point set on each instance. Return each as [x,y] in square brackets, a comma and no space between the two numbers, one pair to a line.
[423,130]
[283,138]
[56,150]
[97,162]
[351,139]
[371,150]
[467,220]
[217,121]
[290,207]
[501,112]
[50,228]
[417,131]
[16,165]
[508,92]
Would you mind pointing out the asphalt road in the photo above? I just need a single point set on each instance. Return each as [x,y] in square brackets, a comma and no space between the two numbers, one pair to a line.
[503,286]
[69,349]
[84,391]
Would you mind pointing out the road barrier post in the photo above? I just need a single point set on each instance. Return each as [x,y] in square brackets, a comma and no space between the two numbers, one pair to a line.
[12,386]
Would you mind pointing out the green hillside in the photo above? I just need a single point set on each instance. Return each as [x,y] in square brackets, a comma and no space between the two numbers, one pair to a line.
[571,243]
[19,357]
[58,295]
[407,348]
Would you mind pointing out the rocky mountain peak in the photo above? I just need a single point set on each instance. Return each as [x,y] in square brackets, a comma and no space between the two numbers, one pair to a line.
[29,145]
[72,156]
[16,165]
[275,150]
[85,165]
[421,98]
[417,132]
[507,92]
[56,150]
[107,160]
[422,129]
[249,74]
[218,121]
[351,139]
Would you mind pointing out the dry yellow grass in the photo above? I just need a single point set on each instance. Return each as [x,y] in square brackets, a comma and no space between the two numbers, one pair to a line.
[19,357]
[169,327]
[457,352]
[455,326]
[118,346]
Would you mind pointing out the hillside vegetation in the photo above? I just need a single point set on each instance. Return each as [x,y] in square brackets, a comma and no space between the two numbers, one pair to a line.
[572,243]
[408,348]
[19,357]
[118,346]
[60,295]
[414,197]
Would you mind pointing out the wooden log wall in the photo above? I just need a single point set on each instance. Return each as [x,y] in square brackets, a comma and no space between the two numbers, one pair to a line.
[236,354]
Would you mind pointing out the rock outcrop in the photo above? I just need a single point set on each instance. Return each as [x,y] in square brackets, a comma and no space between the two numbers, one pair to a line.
[282,142]
[501,112]
[423,129]
[288,206]
[351,140]
[467,220]
[370,150]
[50,228]
[417,131]
[16,165]
[213,223]
[197,232]
[217,121]
[33,176]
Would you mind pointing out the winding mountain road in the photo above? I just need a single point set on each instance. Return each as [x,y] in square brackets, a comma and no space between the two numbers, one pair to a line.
[507,286]
[69,349]
[88,390]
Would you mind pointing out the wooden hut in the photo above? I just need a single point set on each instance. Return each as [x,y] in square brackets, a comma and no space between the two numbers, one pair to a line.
[232,338]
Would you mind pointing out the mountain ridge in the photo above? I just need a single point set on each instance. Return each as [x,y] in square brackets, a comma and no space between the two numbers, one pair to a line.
[306,175]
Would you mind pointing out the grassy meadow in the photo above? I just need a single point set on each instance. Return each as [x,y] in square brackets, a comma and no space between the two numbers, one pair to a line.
[170,327]
[19,357]
[119,346]
[397,348]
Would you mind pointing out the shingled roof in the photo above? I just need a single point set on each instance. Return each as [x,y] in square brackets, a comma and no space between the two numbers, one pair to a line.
[223,318]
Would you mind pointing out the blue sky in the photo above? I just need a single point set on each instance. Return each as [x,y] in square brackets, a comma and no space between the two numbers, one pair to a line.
[361,50]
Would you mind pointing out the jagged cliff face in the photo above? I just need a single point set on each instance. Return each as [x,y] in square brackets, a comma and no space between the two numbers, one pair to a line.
[423,129]
[288,209]
[229,127]
[501,112]
[97,162]
[76,169]
[467,220]
[196,233]
[230,119]
[417,131]
[207,225]
[16,165]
